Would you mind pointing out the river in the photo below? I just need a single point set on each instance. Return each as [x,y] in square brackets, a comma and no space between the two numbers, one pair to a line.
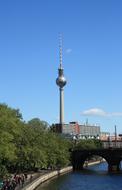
[93,178]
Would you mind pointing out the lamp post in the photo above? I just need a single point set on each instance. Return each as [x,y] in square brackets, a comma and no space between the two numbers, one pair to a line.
[115,136]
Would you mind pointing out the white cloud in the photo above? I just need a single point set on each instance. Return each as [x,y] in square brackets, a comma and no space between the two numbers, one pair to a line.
[69,50]
[100,112]
[94,112]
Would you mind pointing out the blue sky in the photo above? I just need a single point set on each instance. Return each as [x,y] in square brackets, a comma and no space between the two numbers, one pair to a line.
[92,59]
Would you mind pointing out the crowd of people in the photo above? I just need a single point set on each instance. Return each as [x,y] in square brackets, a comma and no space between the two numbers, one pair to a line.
[15,182]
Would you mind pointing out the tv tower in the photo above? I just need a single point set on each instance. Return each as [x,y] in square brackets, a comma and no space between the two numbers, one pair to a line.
[61,82]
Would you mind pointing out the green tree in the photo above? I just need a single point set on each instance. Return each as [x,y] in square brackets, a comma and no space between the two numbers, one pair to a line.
[29,146]
[37,123]
[88,144]
[9,121]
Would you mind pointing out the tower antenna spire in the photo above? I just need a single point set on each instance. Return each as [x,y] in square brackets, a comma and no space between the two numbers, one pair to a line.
[60,50]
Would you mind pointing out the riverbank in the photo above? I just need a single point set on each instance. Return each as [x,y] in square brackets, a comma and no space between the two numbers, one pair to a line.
[42,178]
[93,163]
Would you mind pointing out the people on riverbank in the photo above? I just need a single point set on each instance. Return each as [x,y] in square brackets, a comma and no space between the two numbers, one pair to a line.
[14,182]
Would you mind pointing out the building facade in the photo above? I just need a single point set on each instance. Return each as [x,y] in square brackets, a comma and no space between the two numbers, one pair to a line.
[81,131]
[104,136]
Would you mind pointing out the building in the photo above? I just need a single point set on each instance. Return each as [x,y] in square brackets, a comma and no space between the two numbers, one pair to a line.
[104,136]
[81,131]
[72,128]
[89,131]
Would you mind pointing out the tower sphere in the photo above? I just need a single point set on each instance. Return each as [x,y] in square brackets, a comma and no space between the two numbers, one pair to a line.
[61,81]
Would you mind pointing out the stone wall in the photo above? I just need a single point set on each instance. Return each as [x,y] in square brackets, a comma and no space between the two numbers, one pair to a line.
[46,177]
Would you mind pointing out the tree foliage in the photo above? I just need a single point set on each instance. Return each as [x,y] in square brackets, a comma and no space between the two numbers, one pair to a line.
[88,144]
[28,146]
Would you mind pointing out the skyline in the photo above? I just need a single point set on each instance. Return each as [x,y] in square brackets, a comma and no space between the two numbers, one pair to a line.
[92,58]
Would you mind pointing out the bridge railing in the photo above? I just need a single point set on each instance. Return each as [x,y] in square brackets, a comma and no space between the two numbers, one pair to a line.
[112,144]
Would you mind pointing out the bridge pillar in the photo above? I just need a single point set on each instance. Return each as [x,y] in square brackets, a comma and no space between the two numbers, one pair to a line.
[113,167]
[78,165]
[77,161]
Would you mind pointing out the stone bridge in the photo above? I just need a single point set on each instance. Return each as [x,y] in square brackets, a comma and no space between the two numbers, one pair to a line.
[113,157]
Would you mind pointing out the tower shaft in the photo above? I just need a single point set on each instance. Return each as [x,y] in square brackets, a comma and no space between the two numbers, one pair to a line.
[61,106]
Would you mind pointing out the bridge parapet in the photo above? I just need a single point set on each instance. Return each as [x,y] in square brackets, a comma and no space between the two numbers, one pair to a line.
[112,144]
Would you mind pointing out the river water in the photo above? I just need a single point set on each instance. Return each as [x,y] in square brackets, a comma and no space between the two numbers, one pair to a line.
[93,178]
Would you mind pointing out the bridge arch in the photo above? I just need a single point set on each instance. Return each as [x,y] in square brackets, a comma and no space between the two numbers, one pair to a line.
[112,157]
[81,160]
